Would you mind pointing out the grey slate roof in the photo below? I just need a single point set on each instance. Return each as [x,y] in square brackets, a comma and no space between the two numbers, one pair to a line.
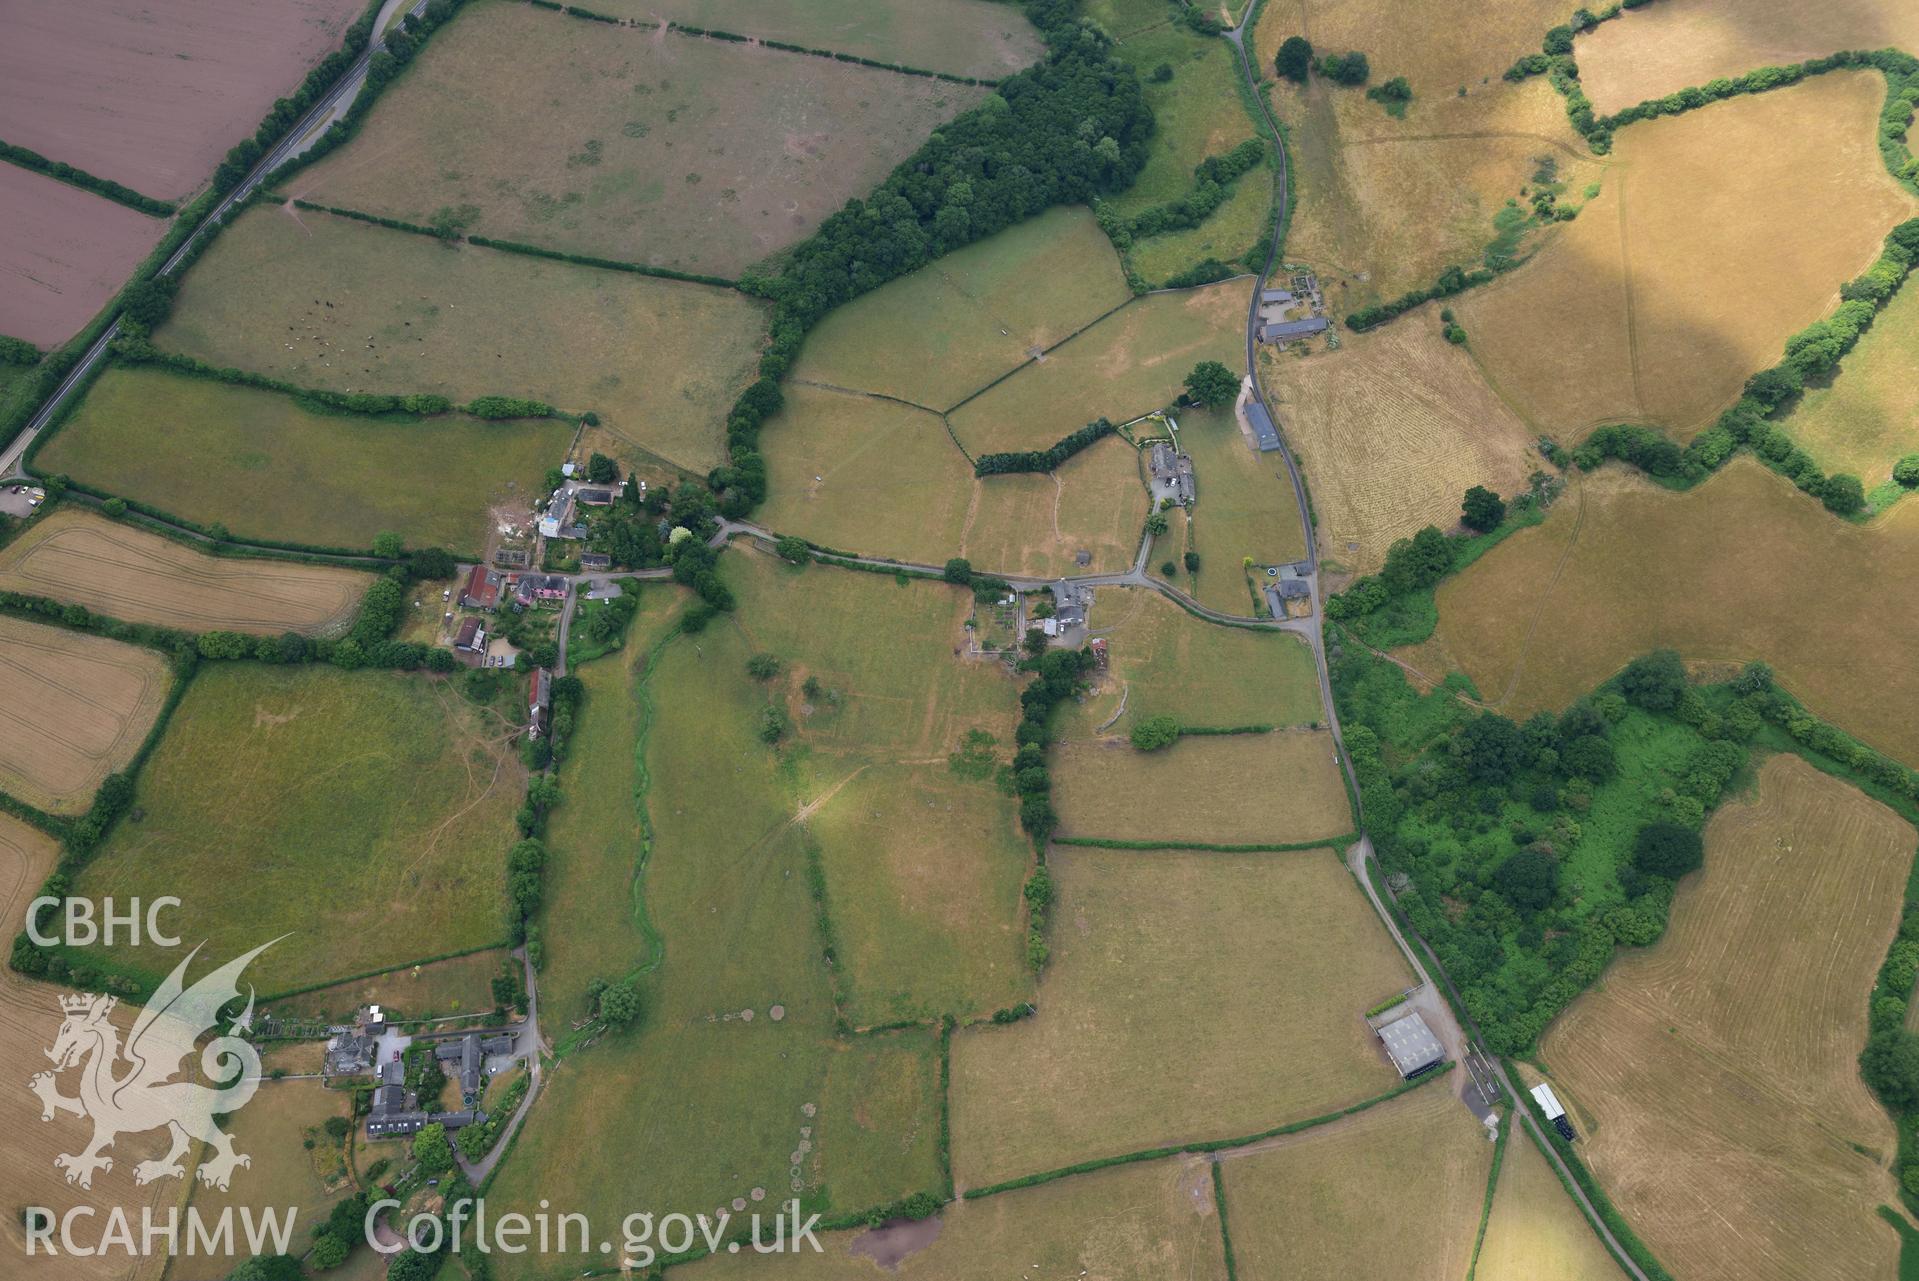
[1411,1044]
[1264,432]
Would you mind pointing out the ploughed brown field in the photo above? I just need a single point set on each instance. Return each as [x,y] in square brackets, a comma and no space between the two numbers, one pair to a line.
[152,95]
[63,253]
[140,577]
[73,708]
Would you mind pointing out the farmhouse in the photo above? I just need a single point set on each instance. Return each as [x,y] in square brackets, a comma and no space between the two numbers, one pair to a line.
[471,1052]
[1265,435]
[482,590]
[1411,1045]
[539,698]
[471,638]
[351,1051]
[538,588]
[1172,474]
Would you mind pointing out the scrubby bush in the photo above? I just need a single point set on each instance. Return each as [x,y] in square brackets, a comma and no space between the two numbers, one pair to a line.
[1151,733]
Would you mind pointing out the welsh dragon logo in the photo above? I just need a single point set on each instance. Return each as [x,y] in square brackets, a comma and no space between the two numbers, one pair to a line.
[129,1089]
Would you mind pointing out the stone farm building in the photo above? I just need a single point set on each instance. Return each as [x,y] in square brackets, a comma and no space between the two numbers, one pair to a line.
[482,589]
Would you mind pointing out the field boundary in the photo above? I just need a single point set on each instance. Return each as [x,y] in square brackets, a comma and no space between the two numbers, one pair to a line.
[1225,1231]
[1492,1190]
[784,46]
[73,176]
[289,993]
[1331,843]
[1206,1146]
[504,246]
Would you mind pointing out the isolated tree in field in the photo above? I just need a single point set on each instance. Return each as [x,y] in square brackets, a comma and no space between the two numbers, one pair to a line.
[620,1003]
[1152,733]
[1906,471]
[763,667]
[1668,849]
[1654,681]
[1211,384]
[1345,68]
[958,570]
[431,1149]
[1528,880]
[1295,59]
[1192,562]
[1483,510]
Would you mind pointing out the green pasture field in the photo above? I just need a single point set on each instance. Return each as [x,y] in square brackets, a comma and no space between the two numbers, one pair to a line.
[1154,1221]
[1239,789]
[864,475]
[1037,524]
[1197,113]
[320,301]
[1394,1191]
[884,648]
[266,467]
[458,985]
[882,1092]
[1131,363]
[590,920]
[1243,506]
[699,155]
[1163,661]
[923,873]
[1122,19]
[382,800]
[1193,996]
[1234,228]
[959,37]
[947,330]
[708,1103]
[1867,417]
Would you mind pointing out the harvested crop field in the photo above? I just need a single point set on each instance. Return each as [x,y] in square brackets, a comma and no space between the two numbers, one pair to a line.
[699,155]
[1438,47]
[130,574]
[1383,206]
[152,98]
[77,707]
[1744,561]
[959,37]
[265,467]
[1395,1191]
[1149,1031]
[1232,789]
[1131,363]
[1536,1228]
[1651,293]
[64,253]
[923,872]
[384,796]
[30,1018]
[947,330]
[1163,661]
[1720,1102]
[1154,1221]
[1243,506]
[867,475]
[1391,430]
[1867,417]
[320,301]
[1668,46]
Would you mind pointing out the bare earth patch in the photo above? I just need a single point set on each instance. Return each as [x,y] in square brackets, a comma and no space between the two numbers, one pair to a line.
[63,253]
[153,95]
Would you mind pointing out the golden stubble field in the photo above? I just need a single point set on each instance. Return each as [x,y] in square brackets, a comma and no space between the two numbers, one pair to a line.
[29,1021]
[1536,1228]
[1233,789]
[1391,430]
[1392,1192]
[1649,308]
[140,577]
[1438,47]
[1667,46]
[1743,567]
[1720,1099]
[1189,996]
[77,707]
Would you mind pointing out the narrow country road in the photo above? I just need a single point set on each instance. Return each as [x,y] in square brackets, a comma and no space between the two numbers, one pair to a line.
[478,1172]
